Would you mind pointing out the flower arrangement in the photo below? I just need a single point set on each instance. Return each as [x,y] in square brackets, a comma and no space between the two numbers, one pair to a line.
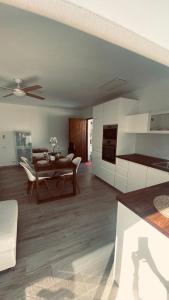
[53,142]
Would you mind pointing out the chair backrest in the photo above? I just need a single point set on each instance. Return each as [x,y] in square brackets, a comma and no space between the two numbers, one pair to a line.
[31,176]
[26,161]
[70,156]
[76,161]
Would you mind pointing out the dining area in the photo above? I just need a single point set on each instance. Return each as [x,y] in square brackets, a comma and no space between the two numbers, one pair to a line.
[51,176]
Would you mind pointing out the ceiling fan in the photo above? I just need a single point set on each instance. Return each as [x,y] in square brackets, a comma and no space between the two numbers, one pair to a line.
[23,91]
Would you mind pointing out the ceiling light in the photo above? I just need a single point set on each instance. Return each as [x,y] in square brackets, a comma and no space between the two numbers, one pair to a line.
[18,92]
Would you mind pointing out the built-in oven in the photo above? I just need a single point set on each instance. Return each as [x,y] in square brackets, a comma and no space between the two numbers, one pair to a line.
[109,143]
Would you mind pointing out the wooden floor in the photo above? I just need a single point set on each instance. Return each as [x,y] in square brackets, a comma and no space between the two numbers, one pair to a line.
[65,248]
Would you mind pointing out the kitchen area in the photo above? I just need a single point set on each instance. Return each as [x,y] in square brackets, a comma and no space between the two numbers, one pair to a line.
[140,174]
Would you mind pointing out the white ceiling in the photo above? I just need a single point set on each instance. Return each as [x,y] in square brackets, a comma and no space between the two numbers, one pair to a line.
[73,67]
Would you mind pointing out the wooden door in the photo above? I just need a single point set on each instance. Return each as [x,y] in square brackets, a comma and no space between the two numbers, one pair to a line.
[78,136]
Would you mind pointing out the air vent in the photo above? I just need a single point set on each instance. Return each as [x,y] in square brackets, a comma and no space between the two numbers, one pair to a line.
[113,84]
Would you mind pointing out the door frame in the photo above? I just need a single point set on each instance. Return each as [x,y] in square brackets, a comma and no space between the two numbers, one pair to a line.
[91,118]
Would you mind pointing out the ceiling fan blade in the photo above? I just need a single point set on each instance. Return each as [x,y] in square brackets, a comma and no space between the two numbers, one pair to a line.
[35,96]
[8,95]
[5,87]
[31,88]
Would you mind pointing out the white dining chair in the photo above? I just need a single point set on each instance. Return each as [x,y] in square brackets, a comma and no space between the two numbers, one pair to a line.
[69,174]
[70,156]
[27,163]
[32,179]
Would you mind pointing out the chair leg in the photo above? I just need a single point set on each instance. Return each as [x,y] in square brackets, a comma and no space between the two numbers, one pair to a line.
[28,186]
[63,182]
[31,190]
[77,186]
[57,181]
[46,183]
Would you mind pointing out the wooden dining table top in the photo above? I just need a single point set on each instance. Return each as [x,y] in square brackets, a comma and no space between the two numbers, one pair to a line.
[62,163]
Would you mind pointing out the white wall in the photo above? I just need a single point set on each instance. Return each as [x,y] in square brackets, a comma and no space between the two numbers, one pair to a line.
[42,122]
[87,113]
[154,98]
[146,18]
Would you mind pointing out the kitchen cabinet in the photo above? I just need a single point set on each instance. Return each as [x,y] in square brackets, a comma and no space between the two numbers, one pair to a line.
[122,166]
[103,169]
[139,123]
[159,123]
[147,123]
[155,176]
[137,175]
[96,163]
[121,175]
[107,175]
[110,112]
[120,183]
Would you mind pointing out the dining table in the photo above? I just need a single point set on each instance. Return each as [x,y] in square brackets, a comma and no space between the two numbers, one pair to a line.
[43,167]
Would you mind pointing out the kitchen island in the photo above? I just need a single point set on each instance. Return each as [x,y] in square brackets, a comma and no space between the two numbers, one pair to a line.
[142,246]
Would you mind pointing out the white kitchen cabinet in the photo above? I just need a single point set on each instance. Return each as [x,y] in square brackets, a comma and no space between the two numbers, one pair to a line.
[107,175]
[139,123]
[121,174]
[97,127]
[107,172]
[137,175]
[110,112]
[122,166]
[120,183]
[108,166]
[155,176]
[96,163]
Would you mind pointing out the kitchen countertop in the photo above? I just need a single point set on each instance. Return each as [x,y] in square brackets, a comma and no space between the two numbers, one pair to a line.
[141,203]
[145,160]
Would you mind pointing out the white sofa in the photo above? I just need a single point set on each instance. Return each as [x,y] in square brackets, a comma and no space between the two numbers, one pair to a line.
[8,233]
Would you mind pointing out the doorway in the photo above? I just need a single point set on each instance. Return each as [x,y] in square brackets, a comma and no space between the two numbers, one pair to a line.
[89,139]
[80,138]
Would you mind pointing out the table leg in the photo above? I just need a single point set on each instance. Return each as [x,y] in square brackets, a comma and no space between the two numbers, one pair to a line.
[37,188]
[74,181]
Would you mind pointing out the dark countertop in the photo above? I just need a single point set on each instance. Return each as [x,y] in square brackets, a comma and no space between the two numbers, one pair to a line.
[145,160]
[141,203]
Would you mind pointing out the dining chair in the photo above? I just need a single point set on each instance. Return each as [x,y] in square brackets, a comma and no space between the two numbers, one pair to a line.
[32,179]
[69,174]
[70,156]
[27,163]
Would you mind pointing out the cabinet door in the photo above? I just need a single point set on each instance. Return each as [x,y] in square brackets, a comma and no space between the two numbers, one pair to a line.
[110,113]
[139,123]
[97,127]
[121,175]
[137,175]
[96,163]
[120,183]
[107,175]
[122,167]
[155,176]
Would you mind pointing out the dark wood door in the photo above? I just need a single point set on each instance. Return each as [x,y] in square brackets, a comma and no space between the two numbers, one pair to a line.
[78,136]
